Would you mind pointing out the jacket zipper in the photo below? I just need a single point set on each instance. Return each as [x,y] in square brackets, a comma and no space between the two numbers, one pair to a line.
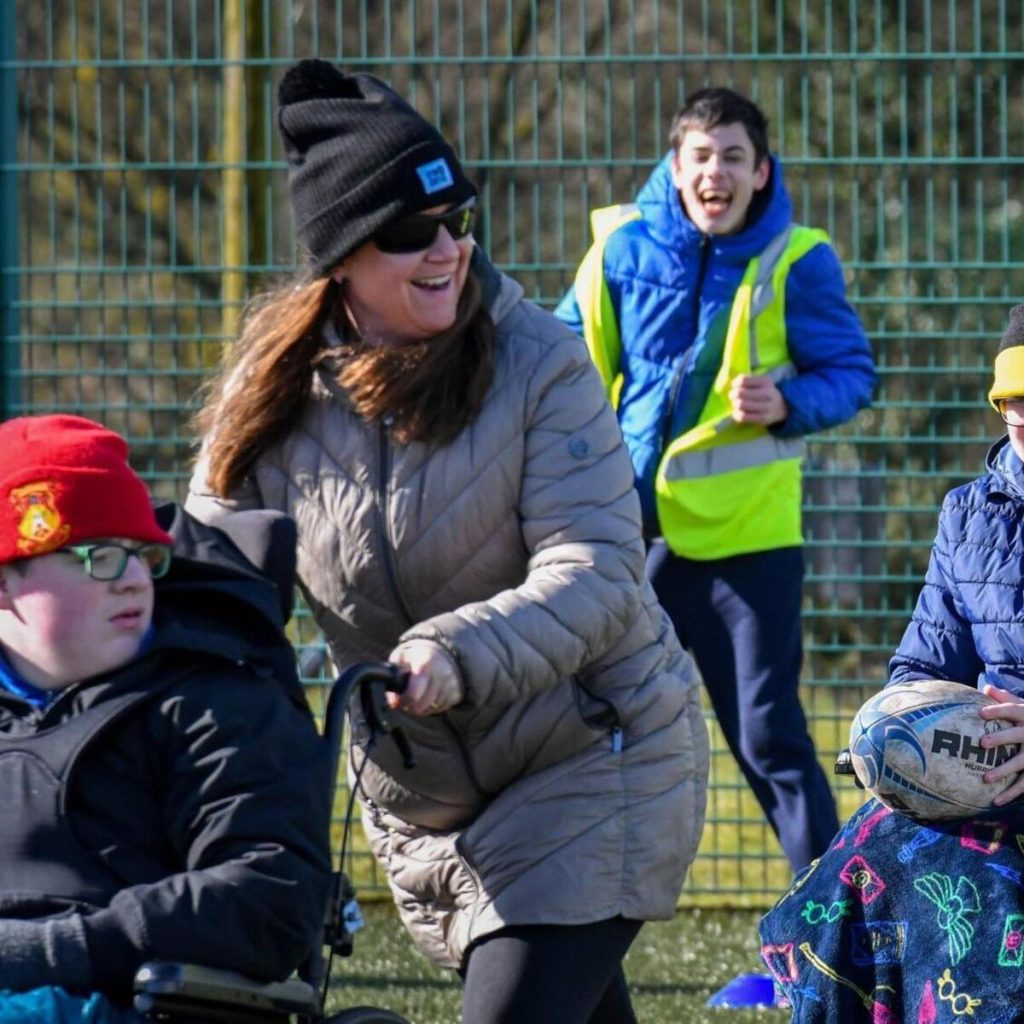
[614,724]
[383,491]
[391,572]
[684,363]
[375,815]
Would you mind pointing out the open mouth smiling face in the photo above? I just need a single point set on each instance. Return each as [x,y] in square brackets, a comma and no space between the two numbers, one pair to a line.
[716,176]
[398,296]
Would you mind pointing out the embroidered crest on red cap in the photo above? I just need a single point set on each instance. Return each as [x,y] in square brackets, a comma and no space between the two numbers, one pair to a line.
[40,527]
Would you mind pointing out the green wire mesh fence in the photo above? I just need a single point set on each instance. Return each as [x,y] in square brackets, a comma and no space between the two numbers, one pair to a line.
[143,199]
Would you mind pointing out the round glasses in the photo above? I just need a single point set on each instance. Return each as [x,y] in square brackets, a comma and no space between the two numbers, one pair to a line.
[108,560]
[1012,411]
[418,231]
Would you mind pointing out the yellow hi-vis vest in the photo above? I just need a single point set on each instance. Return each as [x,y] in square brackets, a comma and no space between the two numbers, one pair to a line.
[722,488]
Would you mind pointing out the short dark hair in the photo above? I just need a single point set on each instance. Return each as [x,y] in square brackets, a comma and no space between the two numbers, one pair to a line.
[709,108]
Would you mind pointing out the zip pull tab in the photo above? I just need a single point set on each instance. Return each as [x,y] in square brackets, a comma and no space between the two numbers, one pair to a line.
[375,815]
[616,740]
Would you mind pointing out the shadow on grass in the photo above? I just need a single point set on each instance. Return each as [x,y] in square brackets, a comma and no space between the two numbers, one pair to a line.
[348,982]
[672,968]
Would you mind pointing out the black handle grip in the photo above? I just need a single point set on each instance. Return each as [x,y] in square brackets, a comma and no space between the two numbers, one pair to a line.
[399,680]
[371,680]
[844,766]
[381,718]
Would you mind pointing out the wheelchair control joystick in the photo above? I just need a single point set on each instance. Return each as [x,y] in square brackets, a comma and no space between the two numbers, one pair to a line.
[844,766]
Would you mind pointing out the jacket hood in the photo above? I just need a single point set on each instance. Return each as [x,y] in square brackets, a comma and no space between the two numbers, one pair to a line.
[663,212]
[229,590]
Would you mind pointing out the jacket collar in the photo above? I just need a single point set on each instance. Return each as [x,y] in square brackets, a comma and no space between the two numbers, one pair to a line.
[499,292]
[1006,471]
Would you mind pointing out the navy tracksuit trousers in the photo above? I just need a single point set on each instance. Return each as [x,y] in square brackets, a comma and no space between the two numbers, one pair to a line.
[740,618]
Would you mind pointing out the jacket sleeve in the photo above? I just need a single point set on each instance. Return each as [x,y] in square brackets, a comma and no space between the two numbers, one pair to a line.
[568,311]
[938,642]
[246,808]
[835,370]
[579,517]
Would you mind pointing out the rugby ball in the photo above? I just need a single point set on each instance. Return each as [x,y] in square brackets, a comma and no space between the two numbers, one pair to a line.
[916,748]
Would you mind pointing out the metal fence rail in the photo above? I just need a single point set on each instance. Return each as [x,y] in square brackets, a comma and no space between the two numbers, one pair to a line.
[143,198]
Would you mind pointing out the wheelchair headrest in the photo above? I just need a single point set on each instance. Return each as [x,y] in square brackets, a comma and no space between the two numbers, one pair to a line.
[268,539]
[263,540]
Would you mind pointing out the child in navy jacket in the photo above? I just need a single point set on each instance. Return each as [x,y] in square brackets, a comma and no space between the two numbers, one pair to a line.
[900,921]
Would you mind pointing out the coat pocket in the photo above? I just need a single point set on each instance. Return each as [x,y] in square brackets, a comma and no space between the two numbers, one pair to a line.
[549,727]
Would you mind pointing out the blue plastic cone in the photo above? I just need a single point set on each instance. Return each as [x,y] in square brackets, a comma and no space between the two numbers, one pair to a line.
[745,990]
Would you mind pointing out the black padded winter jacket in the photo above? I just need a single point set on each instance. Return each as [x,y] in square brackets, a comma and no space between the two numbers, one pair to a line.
[197,810]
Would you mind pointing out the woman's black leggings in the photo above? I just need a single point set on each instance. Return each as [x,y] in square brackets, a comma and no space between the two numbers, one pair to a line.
[550,974]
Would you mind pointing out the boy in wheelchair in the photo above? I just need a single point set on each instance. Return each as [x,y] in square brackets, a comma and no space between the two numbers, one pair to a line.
[165,793]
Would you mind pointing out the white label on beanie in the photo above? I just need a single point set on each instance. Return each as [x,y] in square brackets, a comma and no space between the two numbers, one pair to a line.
[435,176]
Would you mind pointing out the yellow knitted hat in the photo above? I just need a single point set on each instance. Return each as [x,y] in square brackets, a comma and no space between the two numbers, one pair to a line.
[1009,370]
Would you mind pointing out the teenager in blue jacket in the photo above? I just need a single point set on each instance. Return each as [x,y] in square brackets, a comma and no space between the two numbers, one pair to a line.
[900,921]
[724,336]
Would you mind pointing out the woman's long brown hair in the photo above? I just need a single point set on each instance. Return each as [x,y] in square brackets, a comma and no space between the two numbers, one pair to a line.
[430,391]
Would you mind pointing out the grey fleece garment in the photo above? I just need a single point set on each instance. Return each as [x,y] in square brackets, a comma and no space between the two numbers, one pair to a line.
[37,953]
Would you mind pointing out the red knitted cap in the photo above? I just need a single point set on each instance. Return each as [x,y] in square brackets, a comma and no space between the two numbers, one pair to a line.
[64,480]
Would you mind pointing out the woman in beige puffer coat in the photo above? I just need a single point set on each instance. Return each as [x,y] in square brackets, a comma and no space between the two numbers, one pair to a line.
[558,795]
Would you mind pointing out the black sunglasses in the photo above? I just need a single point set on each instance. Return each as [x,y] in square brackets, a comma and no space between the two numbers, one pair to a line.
[418,231]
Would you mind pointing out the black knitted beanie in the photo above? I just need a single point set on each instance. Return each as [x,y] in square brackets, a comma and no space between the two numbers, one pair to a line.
[1008,381]
[359,157]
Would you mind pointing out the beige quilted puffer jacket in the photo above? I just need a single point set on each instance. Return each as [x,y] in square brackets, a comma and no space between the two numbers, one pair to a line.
[569,785]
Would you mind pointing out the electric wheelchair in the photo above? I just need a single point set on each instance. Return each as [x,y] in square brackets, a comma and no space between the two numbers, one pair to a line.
[178,993]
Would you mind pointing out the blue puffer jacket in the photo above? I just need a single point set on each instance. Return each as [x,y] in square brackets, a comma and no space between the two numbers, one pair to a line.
[968,625]
[673,289]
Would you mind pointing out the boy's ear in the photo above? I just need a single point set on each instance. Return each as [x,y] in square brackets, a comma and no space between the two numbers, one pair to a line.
[762,174]
[677,177]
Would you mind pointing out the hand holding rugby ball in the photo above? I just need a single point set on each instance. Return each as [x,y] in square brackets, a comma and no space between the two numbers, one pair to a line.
[916,748]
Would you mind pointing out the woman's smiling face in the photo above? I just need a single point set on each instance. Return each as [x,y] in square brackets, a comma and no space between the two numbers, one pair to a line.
[403,298]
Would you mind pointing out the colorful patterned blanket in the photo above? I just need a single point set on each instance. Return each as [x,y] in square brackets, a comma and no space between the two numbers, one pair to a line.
[901,923]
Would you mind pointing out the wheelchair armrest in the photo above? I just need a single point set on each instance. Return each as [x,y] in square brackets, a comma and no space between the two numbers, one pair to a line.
[169,991]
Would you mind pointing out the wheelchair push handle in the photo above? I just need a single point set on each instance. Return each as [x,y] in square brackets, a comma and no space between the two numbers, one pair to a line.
[370,680]
[373,690]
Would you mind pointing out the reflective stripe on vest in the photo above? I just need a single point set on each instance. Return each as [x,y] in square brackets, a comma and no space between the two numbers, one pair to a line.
[725,488]
[726,459]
